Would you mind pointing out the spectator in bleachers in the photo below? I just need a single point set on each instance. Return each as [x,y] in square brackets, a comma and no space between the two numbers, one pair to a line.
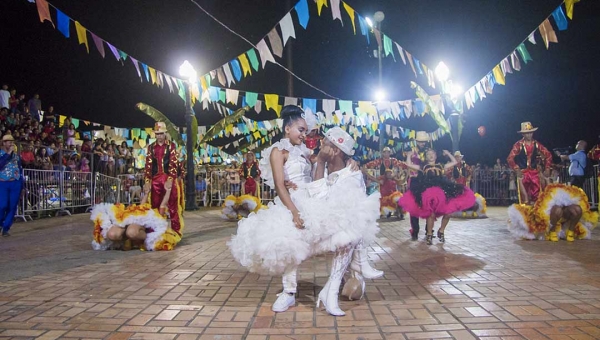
[13,101]
[71,134]
[43,160]
[4,97]
[27,156]
[35,107]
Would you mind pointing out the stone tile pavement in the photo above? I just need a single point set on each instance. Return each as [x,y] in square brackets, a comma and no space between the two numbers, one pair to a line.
[480,284]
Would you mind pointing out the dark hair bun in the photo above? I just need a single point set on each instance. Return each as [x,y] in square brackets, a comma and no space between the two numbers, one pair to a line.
[290,111]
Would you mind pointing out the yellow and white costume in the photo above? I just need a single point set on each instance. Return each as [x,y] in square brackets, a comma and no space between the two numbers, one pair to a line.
[533,222]
[159,234]
[479,210]
[235,208]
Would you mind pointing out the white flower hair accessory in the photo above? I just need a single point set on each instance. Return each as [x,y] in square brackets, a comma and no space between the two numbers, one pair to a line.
[310,118]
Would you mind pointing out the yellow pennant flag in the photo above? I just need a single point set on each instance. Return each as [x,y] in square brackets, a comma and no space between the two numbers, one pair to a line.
[350,11]
[272,101]
[569,6]
[81,35]
[203,84]
[367,107]
[245,64]
[152,74]
[149,131]
[320,4]
[499,75]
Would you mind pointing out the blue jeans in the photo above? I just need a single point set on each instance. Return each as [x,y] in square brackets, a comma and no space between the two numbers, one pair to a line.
[10,191]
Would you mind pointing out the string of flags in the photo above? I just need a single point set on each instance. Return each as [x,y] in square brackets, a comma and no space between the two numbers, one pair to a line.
[497,76]
[242,66]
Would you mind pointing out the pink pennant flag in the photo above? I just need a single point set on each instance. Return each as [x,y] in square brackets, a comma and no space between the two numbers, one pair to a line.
[264,52]
[114,51]
[137,67]
[99,44]
[514,59]
[401,53]
[335,10]
[410,60]
[377,36]
[276,45]
[44,11]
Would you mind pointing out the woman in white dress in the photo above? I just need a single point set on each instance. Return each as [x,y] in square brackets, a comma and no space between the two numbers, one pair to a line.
[300,223]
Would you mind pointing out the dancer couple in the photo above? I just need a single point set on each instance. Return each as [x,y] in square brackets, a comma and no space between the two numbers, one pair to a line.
[431,194]
[330,214]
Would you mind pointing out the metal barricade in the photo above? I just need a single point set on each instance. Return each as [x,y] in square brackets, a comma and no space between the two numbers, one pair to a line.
[131,188]
[44,192]
[106,189]
[77,189]
[495,186]
[222,184]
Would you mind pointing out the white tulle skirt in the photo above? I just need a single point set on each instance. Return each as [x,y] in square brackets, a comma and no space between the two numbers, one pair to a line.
[268,242]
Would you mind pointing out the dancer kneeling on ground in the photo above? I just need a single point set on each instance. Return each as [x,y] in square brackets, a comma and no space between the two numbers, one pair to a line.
[304,221]
[561,211]
[432,195]
[135,226]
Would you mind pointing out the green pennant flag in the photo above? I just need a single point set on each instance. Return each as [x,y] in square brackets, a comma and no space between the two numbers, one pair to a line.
[524,53]
[123,55]
[181,89]
[434,112]
[253,59]
[387,46]
[251,98]
[222,96]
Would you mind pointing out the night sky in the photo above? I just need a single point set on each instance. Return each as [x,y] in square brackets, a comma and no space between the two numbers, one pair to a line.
[556,92]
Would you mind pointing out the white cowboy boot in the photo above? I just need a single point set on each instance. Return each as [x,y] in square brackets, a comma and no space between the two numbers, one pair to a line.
[329,294]
[287,298]
[360,263]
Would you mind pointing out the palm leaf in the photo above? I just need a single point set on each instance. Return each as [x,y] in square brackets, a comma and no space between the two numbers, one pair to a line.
[222,124]
[160,117]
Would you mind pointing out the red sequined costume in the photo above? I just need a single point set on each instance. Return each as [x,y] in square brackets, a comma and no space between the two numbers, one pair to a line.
[162,164]
[384,164]
[460,173]
[526,156]
[250,172]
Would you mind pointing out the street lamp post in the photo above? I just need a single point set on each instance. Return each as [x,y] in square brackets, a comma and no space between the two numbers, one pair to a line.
[187,70]
[378,17]
[449,92]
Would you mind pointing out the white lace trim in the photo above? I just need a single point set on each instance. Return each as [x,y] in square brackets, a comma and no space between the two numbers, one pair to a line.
[266,173]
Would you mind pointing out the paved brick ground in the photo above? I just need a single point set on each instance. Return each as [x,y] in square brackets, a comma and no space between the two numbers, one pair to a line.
[480,284]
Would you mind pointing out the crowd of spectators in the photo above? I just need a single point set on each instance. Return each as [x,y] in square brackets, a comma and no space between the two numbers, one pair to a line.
[45,143]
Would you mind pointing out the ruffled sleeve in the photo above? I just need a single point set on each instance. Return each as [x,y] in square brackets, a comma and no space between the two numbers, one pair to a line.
[266,172]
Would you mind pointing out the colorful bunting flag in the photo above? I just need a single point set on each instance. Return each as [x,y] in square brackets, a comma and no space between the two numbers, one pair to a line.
[81,35]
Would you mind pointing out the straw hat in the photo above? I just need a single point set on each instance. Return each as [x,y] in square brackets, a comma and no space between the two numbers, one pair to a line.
[422,136]
[160,127]
[458,154]
[527,127]
[386,149]
[341,139]
[7,138]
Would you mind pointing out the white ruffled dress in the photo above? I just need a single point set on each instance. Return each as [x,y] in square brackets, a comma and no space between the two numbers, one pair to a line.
[268,242]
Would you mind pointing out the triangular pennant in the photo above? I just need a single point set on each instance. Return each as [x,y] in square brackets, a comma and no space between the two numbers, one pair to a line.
[548,33]
[63,22]
[505,65]
[137,67]
[524,53]
[401,53]
[236,69]
[81,35]
[335,10]
[123,55]
[44,11]
[364,28]
[99,44]
[228,74]
[302,11]
[514,60]
[320,4]
[245,64]
[152,74]
[287,28]
[560,18]
[168,81]
[275,40]
[145,67]
[531,37]
[350,12]
[114,51]
[410,61]
[221,76]
[497,71]
[569,6]
[264,52]
[253,59]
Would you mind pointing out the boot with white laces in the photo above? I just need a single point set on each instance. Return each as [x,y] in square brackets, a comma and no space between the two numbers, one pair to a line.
[329,294]
[360,263]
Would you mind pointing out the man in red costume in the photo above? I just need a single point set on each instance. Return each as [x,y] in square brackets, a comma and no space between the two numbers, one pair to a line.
[524,158]
[385,162]
[461,171]
[250,174]
[161,173]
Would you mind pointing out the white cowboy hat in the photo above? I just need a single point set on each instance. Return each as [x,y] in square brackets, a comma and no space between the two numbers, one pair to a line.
[341,139]
[160,127]
[527,127]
